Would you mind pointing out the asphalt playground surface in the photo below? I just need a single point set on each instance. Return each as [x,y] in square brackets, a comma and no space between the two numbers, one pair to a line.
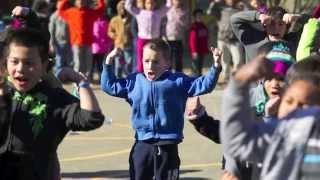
[103,154]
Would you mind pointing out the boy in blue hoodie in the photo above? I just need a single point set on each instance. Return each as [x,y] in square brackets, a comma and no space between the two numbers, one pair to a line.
[158,97]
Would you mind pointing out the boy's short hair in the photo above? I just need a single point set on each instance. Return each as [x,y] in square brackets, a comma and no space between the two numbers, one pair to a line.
[276,12]
[159,45]
[310,66]
[27,37]
[197,11]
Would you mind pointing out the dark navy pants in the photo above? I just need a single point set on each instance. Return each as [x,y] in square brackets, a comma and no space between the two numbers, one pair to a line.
[148,160]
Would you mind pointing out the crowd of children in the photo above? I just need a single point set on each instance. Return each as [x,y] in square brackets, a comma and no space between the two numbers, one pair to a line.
[269,127]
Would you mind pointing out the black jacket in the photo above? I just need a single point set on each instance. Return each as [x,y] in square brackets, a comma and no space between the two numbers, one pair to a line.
[31,130]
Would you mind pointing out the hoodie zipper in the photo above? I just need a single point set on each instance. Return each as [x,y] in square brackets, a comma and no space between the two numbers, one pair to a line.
[153,108]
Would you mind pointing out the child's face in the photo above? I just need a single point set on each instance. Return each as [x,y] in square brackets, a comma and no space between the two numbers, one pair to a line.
[276,29]
[121,9]
[198,17]
[176,3]
[299,94]
[24,66]
[274,87]
[140,4]
[154,64]
[255,4]
[150,4]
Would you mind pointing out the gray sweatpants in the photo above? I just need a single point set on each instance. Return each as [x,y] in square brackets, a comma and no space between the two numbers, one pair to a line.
[82,58]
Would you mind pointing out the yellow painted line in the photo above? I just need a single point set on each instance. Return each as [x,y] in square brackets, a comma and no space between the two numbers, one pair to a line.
[125,151]
[82,158]
[201,165]
[98,138]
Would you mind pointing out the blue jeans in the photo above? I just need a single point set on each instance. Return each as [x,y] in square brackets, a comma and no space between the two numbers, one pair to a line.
[63,57]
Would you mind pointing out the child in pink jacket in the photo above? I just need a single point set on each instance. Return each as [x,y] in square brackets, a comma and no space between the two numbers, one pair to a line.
[101,45]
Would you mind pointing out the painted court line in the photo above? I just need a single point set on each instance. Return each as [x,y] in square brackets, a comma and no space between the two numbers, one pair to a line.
[126,151]
[215,164]
[82,158]
[98,138]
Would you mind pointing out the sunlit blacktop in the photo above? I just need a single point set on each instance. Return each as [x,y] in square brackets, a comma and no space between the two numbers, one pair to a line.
[103,153]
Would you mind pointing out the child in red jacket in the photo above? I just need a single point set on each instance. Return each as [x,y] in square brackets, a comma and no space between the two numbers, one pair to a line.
[198,42]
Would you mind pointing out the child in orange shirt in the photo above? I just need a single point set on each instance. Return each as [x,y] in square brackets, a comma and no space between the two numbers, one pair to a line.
[80,19]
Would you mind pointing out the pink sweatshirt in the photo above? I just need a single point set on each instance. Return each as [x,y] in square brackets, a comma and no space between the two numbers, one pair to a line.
[102,43]
[149,22]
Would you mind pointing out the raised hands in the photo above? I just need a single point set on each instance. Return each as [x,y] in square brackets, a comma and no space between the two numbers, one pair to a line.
[114,53]
[272,106]
[256,69]
[20,11]
[192,105]
[290,18]
[216,54]
[69,75]
[265,19]
[194,108]
[287,18]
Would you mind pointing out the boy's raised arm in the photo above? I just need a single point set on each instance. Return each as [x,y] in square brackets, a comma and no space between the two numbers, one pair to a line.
[109,82]
[205,84]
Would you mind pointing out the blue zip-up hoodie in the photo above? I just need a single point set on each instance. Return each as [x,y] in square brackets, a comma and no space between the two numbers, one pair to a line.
[157,106]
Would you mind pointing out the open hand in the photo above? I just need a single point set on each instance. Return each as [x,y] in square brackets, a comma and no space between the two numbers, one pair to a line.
[114,53]
[216,54]
[193,105]
[20,11]
[194,55]
[265,19]
[70,75]
[289,18]
[228,176]
[272,106]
